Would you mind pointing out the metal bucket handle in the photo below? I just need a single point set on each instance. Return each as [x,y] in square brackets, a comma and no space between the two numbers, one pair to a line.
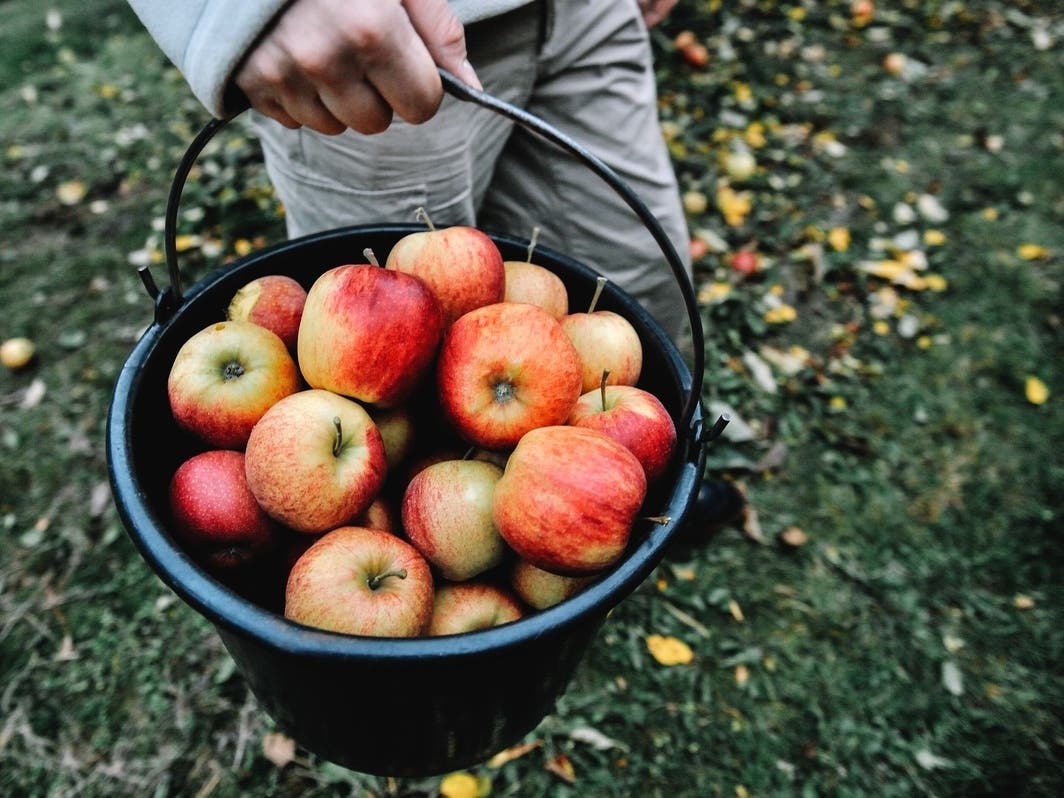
[168,300]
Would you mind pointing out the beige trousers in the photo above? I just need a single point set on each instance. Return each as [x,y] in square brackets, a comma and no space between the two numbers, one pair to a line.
[584,66]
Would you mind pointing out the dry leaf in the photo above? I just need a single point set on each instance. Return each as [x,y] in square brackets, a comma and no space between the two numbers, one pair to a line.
[735,610]
[794,536]
[752,526]
[1022,602]
[512,753]
[773,458]
[460,785]
[742,675]
[279,748]
[66,651]
[669,650]
[1036,391]
[561,767]
[595,738]
[34,394]
[99,499]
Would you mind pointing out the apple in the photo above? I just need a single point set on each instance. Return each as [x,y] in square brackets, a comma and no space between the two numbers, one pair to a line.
[541,589]
[396,426]
[633,417]
[606,341]
[315,461]
[536,285]
[225,377]
[504,369]
[17,353]
[446,515]
[462,266]
[368,333]
[215,514]
[568,499]
[274,301]
[379,515]
[745,262]
[361,581]
[460,607]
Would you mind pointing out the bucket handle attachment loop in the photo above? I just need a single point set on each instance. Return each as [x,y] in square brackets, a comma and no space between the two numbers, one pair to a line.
[169,299]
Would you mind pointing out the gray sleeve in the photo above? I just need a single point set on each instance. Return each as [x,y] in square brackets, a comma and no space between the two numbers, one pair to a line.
[206,39]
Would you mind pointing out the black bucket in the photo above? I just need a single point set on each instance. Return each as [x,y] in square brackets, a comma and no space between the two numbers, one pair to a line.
[396,707]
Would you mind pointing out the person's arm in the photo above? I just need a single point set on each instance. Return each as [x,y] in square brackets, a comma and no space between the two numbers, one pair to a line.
[654,11]
[326,64]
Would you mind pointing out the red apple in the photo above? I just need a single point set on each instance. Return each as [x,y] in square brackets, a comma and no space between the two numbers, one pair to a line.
[225,377]
[215,514]
[462,266]
[315,461]
[379,515]
[633,417]
[568,498]
[536,285]
[447,517]
[606,341]
[362,582]
[274,301]
[541,589]
[396,426]
[504,369]
[368,333]
[745,262]
[471,606]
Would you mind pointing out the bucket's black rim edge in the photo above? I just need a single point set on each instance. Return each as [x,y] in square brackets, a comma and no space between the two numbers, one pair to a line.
[227,608]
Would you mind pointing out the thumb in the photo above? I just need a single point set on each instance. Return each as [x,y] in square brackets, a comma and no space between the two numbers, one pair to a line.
[444,37]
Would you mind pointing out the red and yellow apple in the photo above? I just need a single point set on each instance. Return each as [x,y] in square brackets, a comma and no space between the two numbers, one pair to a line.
[535,285]
[361,581]
[462,266]
[568,499]
[505,369]
[315,461]
[225,377]
[606,341]
[446,515]
[460,607]
[368,333]
[541,589]
[633,417]
[273,301]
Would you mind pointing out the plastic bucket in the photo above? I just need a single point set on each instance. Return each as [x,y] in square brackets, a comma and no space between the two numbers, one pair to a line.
[398,707]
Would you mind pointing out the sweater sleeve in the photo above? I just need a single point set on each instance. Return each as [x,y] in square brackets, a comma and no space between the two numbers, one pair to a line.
[206,39]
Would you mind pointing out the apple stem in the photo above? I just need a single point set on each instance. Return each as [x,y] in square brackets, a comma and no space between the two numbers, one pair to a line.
[375,581]
[660,520]
[371,256]
[469,453]
[338,443]
[602,387]
[532,244]
[423,216]
[600,283]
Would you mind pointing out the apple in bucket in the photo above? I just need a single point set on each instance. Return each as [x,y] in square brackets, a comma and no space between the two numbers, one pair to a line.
[368,333]
[568,499]
[315,461]
[273,301]
[460,607]
[361,581]
[505,369]
[225,377]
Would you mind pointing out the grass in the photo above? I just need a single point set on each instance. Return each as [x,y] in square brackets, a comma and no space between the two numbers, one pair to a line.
[909,646]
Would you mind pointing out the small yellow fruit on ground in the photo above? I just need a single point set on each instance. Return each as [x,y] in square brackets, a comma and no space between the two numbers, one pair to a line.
[16,353]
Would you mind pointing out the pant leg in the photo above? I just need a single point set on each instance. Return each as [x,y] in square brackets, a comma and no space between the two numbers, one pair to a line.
[444,165]
[595,82]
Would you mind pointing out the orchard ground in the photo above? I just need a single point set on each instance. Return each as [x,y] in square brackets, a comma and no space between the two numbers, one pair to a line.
[889,618]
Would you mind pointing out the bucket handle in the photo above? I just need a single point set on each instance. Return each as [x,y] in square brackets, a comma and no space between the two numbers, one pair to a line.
[167,301]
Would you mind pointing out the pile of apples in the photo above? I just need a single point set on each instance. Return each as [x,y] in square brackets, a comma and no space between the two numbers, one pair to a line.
[430,446]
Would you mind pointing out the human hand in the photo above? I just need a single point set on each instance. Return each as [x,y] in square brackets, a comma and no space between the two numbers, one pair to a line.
[654,11]
[337,64]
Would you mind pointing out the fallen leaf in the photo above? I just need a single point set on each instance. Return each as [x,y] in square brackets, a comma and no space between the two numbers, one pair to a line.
[561,767]
[742,675]
[952,678]
[66,651]
[929,761]
[794,537]
[279,748]
[595,738]
[774,457]
[35,392]
[761,372]
[1022,602]
[669,651]
[752,526]
[513,752]
[1032,252]
[1037,392]
[99,499]
[70,193]
[735,610]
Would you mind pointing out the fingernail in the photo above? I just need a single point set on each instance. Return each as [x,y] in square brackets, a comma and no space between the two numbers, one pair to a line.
[469,75]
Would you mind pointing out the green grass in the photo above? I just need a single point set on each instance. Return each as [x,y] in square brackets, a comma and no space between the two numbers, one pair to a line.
[911,646]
